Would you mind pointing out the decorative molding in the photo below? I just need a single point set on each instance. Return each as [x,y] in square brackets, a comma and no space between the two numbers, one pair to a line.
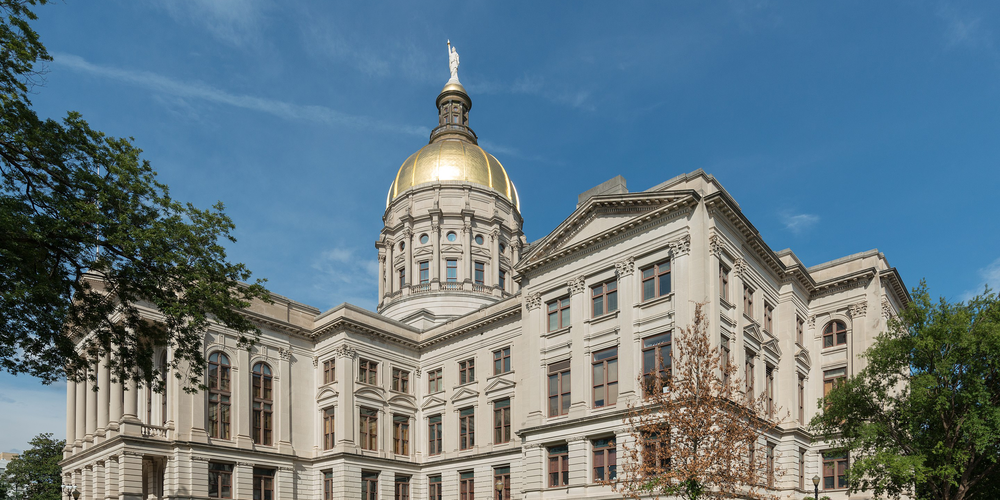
[245,464]
[715,245]
[284,354]
[740,266]
[681,246]
[533,301]
[495,234]
[284,468]
[858,310]
[130,453]
[346,351]
[625,267]
[576,285]
[198,458]
[576,439]
[812,321]
[315,361]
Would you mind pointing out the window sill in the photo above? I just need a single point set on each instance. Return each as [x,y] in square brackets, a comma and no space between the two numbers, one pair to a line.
[555,333]
[656,300]
[393,391]
[435,392]
[328,384]
[725,303]
[835,349]
[459,386]
[602,318]
[750,319]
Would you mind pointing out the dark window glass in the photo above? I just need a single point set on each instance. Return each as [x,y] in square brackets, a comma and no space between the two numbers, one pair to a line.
[369,485]
[558,314]
[368,372]
[435,488]
[329,419]
[434,435]
[466,428]
[401,434]
[220,480]
[218,396]
[501,475]
[501,361]
[835,333]
[834,471]
[400,380]
[425,272]
[501,421]
[434,381]
[263,401]
[605,460]
[559,388]
[656,280]
[368,428]
[558,466]
[480,274]
[466,486]
[604,298]
[656,362]
[263,484]
[451,265]
[605,377]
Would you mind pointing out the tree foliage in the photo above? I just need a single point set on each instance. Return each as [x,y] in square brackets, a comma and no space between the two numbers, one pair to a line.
[36,474]
[698,432]
[923,417]
[91,243]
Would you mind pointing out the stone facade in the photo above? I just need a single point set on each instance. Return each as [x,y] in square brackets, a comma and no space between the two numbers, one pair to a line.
[349,364]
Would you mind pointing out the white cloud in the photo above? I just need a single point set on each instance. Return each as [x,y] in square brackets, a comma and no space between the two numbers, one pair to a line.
[963,30]
[197,90]
[990,276]
[343,276]
[236,22]
[798,223]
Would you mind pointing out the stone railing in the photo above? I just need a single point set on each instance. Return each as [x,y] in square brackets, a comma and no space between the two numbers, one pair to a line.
[451,285]
[154,431]
[421,288]
[477,288]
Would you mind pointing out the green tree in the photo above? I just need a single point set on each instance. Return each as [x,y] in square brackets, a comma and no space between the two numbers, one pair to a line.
[88,238]
[36,473]
[924,415]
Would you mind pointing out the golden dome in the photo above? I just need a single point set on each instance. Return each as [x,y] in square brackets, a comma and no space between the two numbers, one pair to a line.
[453,160]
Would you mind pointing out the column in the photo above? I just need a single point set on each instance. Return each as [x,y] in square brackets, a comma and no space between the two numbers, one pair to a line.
[103,396]
[239,413]
[390,282]
[466,266]
[579,378]
[91,408]
[99,480]
[436,258]
[88,482]
[494,278]
[408,239]
[381,277]
[532,406]
[70,415]
[115,410]
[344,424]
[629,351]
[81,413]
[130,476]
[131,400]
[111,478]
[284,384]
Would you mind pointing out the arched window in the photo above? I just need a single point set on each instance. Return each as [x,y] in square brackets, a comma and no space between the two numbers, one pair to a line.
[263,399]
[163,395]
[218,396]
[835,333]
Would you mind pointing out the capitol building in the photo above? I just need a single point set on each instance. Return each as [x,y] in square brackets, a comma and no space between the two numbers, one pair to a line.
[494,368]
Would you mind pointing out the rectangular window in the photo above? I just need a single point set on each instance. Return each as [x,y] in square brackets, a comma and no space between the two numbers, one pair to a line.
[748,301]
[263,484]
[434,435]
[451,267]
[368,372]
[769,388]
[501,476]
[368,427]
[369,485]
[559,381]
[770,466]
[480,273]
[799,328]
[400,380]
[425,272]
[723,282]
[802,400]
[605,461]
[558,311]
[656,280]
[501,421]
[726,356]
[558,466]
[434,381]
[748,373]
[402,277]
[656,363]
[401,434]
[834,471]
[220,480]
[435,488]
[467,371]
[329,416]
[605,375]
[402,490]
[502,279]
[329,371]
[328,486]
[604,298]
[833,378]
[466,486]
[768,318]
[501,361]
[655,452]
[466,428]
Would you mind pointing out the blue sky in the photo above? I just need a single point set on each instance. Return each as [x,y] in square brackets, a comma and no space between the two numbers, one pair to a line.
[838,126]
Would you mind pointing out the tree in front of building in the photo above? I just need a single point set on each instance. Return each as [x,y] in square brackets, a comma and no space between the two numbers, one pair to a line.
[923,417]
[699,431]
[89,238]
[36,474]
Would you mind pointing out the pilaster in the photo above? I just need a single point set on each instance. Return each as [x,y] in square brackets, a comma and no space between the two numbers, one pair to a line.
[111,478]
[103,397]
[130,476]
[100,480]
[70,417]
[81,414]
[243,480]
[91,409]
[284,406]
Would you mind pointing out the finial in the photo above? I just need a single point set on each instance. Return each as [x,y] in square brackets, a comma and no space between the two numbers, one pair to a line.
[452,62]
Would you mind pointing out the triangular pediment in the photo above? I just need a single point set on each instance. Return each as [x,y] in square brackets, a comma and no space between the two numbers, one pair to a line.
[421,251]
[326,392]
[752,331]
[772,346]
[463,393]
[432,402]
[498,384]
[599,218]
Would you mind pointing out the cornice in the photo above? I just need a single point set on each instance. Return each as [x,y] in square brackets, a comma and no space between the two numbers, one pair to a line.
[513,309]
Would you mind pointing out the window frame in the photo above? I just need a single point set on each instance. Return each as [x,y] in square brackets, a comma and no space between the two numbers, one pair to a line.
[502,475]
[368,428]
[558,455]
[768,318]
[451,270]
[400,380]
[603,293]
[402,277]
[724,282]
[328,485]
[424,270]
[749,366]
[223,477]
[435,379]
[501,421]
[467,371]
[656,276]
[369,485]
[401,488]
[435,487]
[219,396]
[769,458]
[400,434]
[502,279]
[368,371]
[662,369]
[605,449]
[501,360]
[748,292]
[262,405]
[769,389]
[435,430]
[558,310]
[479,273]
[466,485]
[467,428]
[832,337]
[835,463]
[263,482]
[561,373]
[604,359]
[329,428]
[833,377]
[799,331]
[802,399]
[330,371]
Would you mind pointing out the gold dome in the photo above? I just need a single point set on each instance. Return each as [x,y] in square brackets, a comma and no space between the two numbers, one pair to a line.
[453,160]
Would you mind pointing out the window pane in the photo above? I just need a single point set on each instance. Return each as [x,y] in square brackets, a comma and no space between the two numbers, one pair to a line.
[665,284]
[612,301]
[598,306]
[647,289]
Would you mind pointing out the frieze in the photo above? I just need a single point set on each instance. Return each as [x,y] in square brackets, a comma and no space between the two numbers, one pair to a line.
[533,301]
[576,285]
[133,453]
[625,267]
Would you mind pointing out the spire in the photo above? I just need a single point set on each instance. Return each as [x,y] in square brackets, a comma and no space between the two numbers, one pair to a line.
[453,105]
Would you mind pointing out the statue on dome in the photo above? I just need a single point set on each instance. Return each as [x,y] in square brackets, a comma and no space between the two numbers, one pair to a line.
[453,61]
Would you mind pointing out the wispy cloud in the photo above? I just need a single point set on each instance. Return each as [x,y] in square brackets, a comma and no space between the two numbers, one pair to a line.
[28,408]
[377,56]
[990,276]
[798,223]
[964,30]
[508,152]
[343,276]
[236,22]
[201,91]
[536,86]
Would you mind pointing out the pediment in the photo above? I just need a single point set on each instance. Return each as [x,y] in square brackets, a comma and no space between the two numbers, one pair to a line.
[326,392]
[803,357]
[772,346]
[464,393]
[371,393]
[421,251]
[451,248]
[599,218]
[499,384]
[403,400]
[432,402]
[752,331]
